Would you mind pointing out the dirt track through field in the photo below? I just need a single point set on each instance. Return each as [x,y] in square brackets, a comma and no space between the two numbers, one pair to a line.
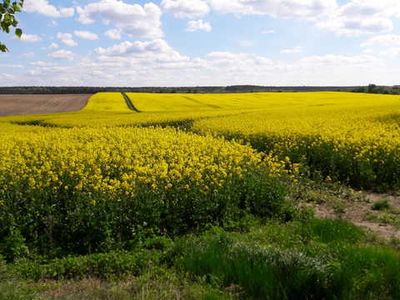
[40,104]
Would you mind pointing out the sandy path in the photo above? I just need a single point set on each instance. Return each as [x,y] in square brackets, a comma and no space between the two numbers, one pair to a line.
[40,104]
[357,212]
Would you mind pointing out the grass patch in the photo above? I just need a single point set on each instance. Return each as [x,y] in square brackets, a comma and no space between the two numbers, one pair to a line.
[303,259]
[385,218]
[383,204]
[328,260]
[102,265]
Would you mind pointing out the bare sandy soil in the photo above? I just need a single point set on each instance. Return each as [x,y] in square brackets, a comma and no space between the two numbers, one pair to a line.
[384,223]
[40,104]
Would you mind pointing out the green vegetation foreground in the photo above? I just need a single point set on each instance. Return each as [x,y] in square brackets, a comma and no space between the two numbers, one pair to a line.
[109,193]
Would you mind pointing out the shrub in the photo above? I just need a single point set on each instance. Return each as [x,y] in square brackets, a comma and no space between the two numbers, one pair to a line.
[13,245]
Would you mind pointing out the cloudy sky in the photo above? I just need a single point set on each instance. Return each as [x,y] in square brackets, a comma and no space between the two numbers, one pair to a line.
[204,42]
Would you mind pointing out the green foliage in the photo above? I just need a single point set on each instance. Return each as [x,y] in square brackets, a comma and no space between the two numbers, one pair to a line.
[155,283]
[381,205]
[102,265]
[311,260]
[8,20]
[2,268]
[13,245]
[264,196]
[333,231]
[162,283]
[15,290]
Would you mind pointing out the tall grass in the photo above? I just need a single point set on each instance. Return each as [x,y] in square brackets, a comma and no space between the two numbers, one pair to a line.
[328,261]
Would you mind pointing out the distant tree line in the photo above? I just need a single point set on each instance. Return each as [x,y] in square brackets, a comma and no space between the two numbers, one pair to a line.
[379,89]
[199,89]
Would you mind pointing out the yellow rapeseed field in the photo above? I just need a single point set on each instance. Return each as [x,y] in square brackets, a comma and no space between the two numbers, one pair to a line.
[349,137]
[353,138]
[90,179]
[106,102]
[341,136]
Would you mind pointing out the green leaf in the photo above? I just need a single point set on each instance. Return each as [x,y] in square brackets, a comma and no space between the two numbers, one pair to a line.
[8,10]
[3,48]
[17,7]
[18,32]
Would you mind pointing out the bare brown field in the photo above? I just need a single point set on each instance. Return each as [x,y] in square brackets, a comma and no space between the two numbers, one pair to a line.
[40,104]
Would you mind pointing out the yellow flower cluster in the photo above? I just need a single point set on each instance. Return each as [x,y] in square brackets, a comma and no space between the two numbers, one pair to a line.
[117,161]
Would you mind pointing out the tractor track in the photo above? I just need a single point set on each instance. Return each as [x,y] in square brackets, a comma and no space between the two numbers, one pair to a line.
[129,102]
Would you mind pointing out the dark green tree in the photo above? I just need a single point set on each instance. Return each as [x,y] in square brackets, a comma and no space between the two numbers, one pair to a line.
[8,21]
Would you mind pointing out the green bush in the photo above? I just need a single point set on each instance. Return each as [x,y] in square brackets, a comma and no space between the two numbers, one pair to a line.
[13,245]
[264,196]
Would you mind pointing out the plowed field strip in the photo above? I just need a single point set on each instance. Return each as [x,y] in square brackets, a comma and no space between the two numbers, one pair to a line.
[40,104]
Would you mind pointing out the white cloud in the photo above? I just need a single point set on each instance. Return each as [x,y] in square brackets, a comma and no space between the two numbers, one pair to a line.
[41,63]
[387,40]
[372,7]
[114,34]
[157,50]
[246,43]
[29,54]
[53,46]
[333,60]
[133,19]
[86,35]
[359,17]
[356,17]
[294,50]
[155,63]
[350,26]
[62,54]
[67,39]
[268,31]
[45,8]
[30,38]
[186,8]
[277,8]
[386,45]
[198,25]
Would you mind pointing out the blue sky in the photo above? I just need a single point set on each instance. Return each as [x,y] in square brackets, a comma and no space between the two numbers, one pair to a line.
[204,42]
